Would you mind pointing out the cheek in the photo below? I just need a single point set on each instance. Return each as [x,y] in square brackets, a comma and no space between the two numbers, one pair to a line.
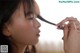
[23,32]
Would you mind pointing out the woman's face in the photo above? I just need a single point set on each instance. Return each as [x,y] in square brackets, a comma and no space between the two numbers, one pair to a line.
[24,28]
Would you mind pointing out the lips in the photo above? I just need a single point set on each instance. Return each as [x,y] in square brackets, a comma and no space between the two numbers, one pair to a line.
[38,33]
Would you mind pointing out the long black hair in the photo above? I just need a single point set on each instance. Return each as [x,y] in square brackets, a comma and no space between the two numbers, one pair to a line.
[7,8]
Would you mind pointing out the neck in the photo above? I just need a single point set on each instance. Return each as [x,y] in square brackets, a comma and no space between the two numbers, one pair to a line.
[18,48]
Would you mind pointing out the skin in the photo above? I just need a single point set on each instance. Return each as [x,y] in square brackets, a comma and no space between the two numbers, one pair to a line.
[22,30]
[71,35]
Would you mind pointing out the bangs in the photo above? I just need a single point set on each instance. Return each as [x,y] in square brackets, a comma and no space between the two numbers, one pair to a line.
[28,5]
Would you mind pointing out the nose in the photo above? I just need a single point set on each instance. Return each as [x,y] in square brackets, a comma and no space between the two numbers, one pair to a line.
[37,23]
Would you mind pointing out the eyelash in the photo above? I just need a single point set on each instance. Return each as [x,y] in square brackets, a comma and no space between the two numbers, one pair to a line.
[29,17]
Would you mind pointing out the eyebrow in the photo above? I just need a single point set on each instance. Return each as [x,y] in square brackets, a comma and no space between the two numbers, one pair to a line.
[28,13]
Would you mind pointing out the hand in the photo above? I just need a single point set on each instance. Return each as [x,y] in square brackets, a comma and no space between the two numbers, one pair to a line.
[71,35]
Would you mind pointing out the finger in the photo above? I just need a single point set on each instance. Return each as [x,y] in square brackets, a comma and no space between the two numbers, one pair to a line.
[72,26]
[77,23]
[65,20]
[65,32]
[77,20]
[78,28]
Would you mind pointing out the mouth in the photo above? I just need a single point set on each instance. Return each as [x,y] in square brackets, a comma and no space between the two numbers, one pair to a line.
[38,33]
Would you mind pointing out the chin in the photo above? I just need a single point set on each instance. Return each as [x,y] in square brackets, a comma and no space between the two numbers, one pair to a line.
[34,43]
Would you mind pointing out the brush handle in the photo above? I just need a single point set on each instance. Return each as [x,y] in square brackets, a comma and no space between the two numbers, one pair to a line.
[42,19]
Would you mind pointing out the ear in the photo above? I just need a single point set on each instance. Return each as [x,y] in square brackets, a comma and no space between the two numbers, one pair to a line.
[6,30]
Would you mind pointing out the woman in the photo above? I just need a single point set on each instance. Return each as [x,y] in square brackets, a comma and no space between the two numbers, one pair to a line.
[17,24]
[19,27]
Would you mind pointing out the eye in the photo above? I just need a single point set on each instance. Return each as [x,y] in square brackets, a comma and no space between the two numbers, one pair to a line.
[30,17]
